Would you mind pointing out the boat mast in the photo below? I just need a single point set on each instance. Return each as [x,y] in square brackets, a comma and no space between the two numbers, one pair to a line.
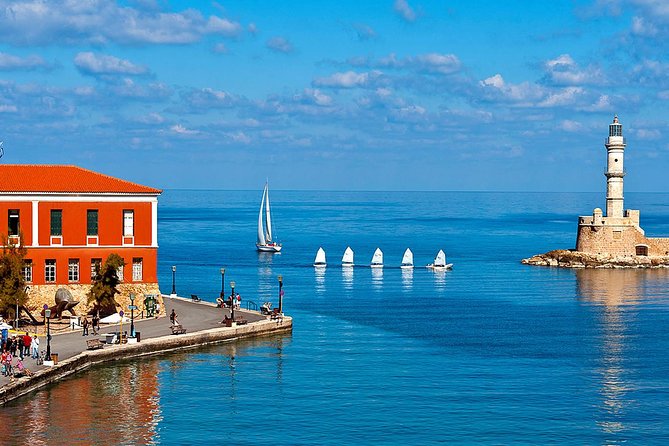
[261,231]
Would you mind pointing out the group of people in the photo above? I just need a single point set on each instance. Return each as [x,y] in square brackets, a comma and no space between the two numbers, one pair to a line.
[94,324]
[18,347]
[234,301]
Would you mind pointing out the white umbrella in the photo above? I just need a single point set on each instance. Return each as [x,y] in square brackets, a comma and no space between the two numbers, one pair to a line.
[113,319]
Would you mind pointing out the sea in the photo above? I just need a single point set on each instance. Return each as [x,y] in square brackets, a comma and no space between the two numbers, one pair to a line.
[492,352]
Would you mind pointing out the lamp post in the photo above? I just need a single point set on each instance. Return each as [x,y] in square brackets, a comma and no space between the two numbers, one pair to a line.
[280,293]
[174,278]
[223,282]
[47,315]
[132,315]
[232,301]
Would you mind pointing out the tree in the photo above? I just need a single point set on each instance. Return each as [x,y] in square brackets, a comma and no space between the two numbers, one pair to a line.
[12,282]
[103,291]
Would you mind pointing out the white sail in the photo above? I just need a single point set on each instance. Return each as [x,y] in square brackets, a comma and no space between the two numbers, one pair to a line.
[268,218]
[261,230]
[377,258]
[440,260]
[407,259]
[347,259]
[320,258]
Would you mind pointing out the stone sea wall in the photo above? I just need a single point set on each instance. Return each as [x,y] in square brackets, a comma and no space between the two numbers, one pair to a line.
[575,259]
[153,346]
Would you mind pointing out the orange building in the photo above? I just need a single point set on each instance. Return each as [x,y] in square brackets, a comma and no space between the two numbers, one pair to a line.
[71,219]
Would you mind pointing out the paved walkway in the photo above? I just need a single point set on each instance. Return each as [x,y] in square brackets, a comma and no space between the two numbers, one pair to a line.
[193,316]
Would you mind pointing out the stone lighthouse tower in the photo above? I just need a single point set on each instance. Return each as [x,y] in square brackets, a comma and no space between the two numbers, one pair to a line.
[615,148]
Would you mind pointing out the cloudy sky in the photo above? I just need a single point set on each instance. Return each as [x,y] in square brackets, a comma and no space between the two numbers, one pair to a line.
[351,95]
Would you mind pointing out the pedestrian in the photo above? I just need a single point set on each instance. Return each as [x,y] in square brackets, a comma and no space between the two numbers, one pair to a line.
[96,323]
[34,346]
[173,317]
[157,310]
[84,324]
[27,340]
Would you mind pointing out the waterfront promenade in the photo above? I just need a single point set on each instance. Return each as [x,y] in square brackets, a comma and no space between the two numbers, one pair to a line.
[202,320]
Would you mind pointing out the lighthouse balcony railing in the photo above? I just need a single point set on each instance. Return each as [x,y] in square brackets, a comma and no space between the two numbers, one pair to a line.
[608,140]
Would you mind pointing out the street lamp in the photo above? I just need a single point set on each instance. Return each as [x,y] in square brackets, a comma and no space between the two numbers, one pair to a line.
[232,301]
[47,315]
[280,293]
[132,315]
[223,282]
[174,283]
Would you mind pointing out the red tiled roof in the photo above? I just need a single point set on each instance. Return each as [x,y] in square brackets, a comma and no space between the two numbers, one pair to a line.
[65,179]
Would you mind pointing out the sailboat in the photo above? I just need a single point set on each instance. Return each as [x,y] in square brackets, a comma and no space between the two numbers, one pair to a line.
[407,259]
[440,262]
[347,259]
[319,261]
[377,259]
[265,241]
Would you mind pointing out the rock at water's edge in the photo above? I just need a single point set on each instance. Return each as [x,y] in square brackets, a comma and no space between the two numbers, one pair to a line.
[574,259]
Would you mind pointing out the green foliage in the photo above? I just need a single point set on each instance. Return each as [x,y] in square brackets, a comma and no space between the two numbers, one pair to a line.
[12,283]
[104,290]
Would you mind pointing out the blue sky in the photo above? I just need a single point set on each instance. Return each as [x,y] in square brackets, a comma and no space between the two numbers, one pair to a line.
[350,95]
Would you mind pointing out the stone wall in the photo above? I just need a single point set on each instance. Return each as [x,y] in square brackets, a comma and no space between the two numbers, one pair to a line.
[45,294]
[618,241]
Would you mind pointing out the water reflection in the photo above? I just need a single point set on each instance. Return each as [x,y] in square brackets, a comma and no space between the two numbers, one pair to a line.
[617,292]
[377,278]
[407,278]
[347,277]
[439,279]
[320,279]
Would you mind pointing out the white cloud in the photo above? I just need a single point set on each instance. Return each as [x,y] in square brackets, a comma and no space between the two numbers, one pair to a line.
[348,79]
[564,71]
[181,130]
[315,96]
[280,45]
[404,10]
[11,62]
[39,22]
[435,63]
[651,134]
[566,96]
[571,126]
[99,64]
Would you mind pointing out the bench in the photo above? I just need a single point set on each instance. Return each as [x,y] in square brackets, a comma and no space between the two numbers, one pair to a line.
[195,298]
[178,329]
[241,321]
[94,344]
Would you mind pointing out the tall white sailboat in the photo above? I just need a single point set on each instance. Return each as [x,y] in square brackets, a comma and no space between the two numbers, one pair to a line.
[407,259]
[440,262]
[265,241]
[319,261]
[347,259]
[377,259]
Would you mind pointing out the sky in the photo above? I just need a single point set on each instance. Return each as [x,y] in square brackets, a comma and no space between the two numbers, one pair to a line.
[472,95]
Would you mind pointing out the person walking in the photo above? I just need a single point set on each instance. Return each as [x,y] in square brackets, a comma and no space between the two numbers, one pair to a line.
[34,346]
[173,317]
[85,324]
[157,310]
[27,340]
[96,323]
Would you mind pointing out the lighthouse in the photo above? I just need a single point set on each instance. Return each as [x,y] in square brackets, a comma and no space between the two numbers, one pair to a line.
[615,149]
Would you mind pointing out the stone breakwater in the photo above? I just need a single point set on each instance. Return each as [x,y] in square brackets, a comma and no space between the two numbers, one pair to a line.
[153,346]
[574,259]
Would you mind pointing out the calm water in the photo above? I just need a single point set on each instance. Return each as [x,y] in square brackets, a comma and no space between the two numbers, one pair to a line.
[491,352]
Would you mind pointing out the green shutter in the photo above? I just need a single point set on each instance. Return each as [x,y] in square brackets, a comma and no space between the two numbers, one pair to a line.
[92,222]
[56,222]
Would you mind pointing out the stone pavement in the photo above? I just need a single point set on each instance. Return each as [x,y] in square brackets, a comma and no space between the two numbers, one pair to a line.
[193,316]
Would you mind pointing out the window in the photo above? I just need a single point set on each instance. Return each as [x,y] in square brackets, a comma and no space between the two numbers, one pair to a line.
[73,270]
[92,222]
[128,223]
[119,273]
[95,268]
[27,270]
[13,225]
[56,222]
[50,270]
[137,269]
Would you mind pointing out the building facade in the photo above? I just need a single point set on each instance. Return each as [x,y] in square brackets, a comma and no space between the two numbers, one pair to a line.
[70,219]
[617,233]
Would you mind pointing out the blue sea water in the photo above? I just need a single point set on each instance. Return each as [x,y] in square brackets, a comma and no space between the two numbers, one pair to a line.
[491,352]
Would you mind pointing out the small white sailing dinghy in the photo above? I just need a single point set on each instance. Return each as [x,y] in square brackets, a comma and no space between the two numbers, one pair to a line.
[347,259]
[319,261]
[407,259]
[377,259]
[265,241]
[440,262]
